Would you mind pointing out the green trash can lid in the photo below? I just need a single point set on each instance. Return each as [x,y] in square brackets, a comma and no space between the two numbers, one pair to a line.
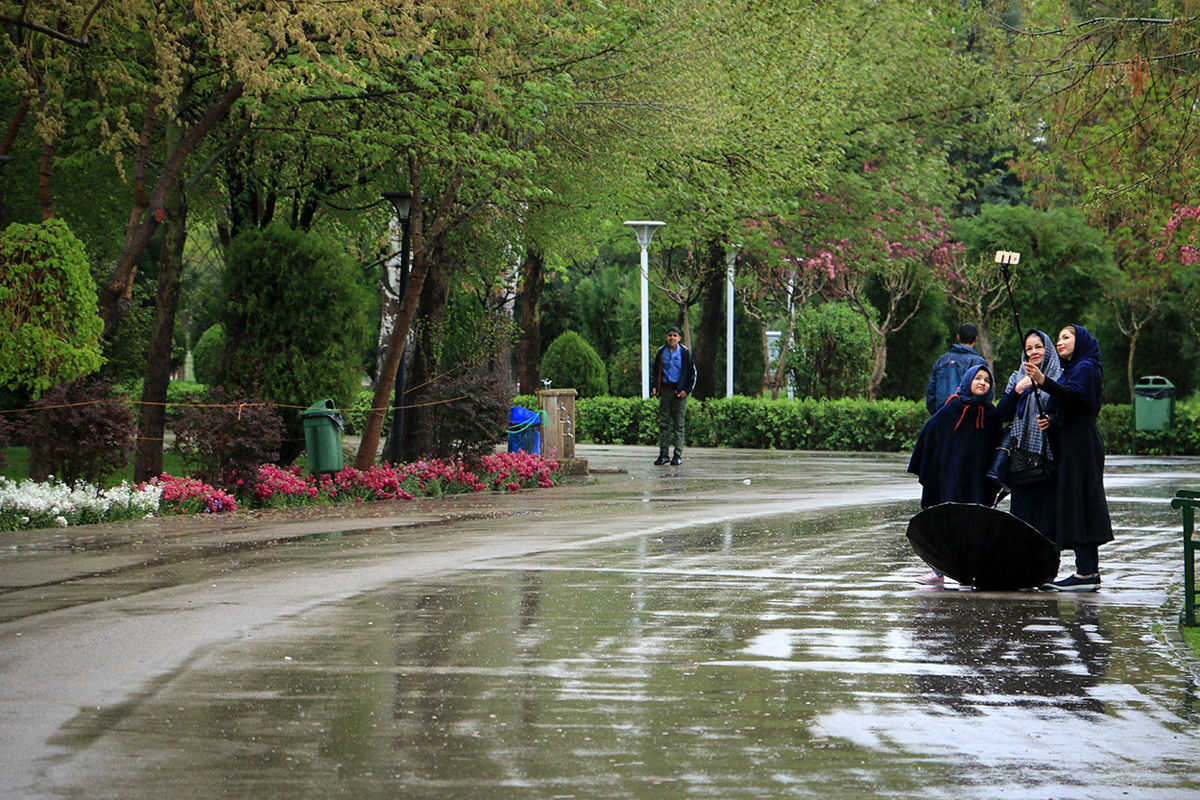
[324,408]
[1154,387]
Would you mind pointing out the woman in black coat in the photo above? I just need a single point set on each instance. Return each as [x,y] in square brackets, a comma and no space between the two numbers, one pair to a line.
[1021,404]
[955,447]
[1081,507]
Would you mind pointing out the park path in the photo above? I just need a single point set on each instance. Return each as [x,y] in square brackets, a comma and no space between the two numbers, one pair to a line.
[744,626]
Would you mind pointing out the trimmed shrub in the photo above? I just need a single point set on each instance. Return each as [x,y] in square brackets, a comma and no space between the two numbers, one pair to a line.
[78,431]
[224,441]
[571,363]
[49,324]
[889,426]
[830,354]
[751,422]
[206,357]
[296,323]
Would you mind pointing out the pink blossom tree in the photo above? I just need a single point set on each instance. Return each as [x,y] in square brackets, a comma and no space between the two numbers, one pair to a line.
[782,275]
[891,255]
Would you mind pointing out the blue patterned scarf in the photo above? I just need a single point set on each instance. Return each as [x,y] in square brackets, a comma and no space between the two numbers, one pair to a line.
[1024,432]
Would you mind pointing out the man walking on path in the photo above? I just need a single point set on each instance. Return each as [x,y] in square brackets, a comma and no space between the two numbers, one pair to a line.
[672,378]
[949,369]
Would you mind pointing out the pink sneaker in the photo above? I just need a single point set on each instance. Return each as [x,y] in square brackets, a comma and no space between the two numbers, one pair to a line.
[932,578]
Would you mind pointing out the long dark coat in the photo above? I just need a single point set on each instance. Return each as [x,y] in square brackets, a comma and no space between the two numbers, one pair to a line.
[1036,503]
[955,448]
[1081,505]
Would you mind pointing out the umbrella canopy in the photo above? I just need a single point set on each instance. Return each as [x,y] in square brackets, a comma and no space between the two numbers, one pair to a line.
[982,546]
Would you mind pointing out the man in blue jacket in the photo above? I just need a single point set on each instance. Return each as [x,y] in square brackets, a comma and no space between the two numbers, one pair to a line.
[672,378]
[949,369]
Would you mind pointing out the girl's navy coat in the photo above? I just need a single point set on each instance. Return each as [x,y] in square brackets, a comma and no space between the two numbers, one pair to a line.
[955,448]
[1082,509]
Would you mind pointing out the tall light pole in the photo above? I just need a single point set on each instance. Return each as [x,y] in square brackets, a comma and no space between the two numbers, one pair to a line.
[402,202]
[730,258]
[645,232]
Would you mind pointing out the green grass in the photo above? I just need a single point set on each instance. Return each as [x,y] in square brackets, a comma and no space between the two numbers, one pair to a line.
[18,466]
[1192,637]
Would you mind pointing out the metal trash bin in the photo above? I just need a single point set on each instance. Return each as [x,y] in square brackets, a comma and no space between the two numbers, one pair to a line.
[525,432]
[323,429]
[1153,403]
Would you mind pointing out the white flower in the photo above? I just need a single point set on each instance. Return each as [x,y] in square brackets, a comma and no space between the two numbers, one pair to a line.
[61,522]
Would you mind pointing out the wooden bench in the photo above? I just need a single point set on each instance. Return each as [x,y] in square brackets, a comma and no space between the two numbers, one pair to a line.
[1188,501]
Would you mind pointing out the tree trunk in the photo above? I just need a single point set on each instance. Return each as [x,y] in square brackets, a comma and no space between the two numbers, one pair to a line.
[708,337]
[148,462]
[530,345]
[779,378]
[420,438]
[879,369]
[117,294]
[1129,364]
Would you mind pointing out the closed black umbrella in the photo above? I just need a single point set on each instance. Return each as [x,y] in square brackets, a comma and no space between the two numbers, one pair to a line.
[983,546]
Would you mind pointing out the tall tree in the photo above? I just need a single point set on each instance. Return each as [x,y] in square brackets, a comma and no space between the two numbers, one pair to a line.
[1117,85]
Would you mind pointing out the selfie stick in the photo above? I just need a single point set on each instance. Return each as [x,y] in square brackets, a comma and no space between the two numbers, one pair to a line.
[1004,258]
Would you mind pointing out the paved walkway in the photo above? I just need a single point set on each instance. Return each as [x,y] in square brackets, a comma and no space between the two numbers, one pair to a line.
[744,626]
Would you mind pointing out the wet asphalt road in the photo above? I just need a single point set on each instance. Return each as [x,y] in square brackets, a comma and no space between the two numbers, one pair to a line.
[744,626]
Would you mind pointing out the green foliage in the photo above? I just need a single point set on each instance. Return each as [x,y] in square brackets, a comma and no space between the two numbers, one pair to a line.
[78,431]
[1116,425]
[471,398]
[356,414]
[571,363]
[625,372]
[206,357]
[831,353]
[465,405]
[1063,263]
[49,324]
[180,395]
[125,345]
[295,322]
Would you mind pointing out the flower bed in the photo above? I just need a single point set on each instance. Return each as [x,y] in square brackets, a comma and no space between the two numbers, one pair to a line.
[30,504]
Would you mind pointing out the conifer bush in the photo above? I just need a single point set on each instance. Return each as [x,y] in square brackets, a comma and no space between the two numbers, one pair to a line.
[571,363]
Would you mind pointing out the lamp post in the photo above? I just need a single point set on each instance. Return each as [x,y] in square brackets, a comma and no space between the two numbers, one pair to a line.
[645,232]
[730,257]
[402,202]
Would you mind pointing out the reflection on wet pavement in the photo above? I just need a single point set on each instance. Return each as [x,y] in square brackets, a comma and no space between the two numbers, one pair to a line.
[779,657]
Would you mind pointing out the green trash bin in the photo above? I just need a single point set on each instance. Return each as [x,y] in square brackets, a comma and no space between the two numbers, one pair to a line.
[323,427]
[1153,403]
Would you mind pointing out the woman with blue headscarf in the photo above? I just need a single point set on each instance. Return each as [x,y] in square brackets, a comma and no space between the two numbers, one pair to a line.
[955,446]
[1021,404]
[1081,507]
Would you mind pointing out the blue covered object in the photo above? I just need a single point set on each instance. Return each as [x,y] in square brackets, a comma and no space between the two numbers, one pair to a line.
[526,432]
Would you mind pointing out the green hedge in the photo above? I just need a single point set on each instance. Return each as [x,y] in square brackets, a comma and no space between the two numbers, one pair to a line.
[838,425]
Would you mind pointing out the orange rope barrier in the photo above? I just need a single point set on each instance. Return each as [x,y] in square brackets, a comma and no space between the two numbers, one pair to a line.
[238,406]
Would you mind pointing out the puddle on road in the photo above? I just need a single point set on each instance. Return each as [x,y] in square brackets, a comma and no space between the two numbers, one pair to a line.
[768,658]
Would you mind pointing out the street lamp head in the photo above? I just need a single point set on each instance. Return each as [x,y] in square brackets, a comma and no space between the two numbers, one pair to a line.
[401,201]
[644,230]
